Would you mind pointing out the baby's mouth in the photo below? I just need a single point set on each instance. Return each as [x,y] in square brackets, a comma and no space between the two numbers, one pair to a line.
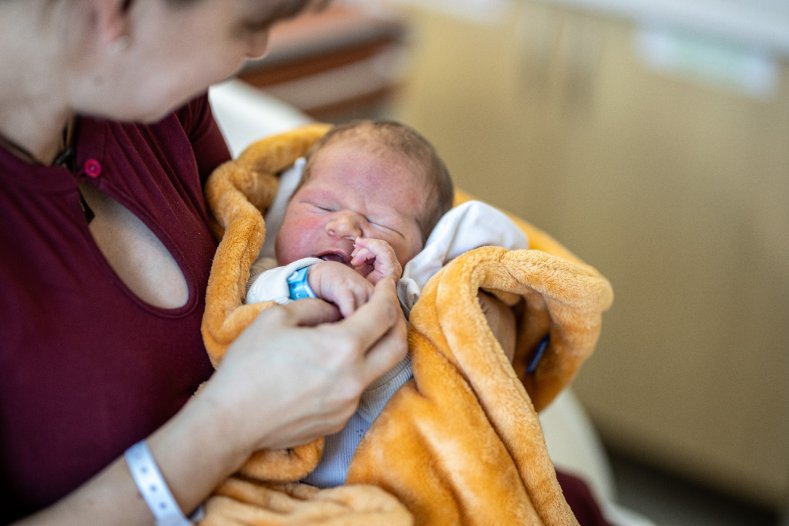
[335,256]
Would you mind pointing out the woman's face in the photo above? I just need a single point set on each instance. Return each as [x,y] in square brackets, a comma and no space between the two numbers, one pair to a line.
[173,52]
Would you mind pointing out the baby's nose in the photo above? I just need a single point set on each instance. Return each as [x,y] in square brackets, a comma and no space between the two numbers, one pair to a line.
[345,225]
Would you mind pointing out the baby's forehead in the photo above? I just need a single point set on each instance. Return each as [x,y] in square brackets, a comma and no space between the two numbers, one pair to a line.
[374,149]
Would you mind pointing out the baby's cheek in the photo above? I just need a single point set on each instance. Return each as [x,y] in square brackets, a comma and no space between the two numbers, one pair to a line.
[293,240]
[286,247]
[406,249]
[407,254]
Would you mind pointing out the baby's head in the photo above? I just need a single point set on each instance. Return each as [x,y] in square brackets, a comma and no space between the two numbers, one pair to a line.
[374,179]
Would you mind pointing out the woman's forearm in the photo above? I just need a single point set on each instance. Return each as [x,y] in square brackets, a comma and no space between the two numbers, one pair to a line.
[196,450]
[192,454]
[288,379]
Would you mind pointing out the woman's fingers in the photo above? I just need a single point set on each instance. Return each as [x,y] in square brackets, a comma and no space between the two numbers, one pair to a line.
[297,373]
[380,328]
[373,319]
[387,352]
[302,313]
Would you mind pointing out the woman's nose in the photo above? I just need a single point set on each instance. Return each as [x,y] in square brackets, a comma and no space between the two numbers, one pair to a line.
[345,225]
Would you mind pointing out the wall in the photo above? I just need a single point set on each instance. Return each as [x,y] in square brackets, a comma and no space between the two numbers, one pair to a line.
[675,187]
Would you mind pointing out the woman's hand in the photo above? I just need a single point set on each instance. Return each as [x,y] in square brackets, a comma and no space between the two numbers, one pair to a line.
[293,375]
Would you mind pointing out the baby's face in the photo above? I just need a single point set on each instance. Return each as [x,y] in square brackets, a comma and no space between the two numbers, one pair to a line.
[352,193]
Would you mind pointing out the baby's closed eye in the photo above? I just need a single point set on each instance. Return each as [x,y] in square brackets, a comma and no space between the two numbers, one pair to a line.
[384,225]
[325,211]
[320,207]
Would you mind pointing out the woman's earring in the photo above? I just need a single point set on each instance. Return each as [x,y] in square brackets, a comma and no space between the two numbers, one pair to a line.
[119,45]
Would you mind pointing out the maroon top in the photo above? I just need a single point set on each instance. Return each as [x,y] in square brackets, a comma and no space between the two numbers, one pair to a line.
[87,367]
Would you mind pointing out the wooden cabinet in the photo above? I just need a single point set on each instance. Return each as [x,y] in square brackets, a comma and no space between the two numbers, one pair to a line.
[678,191]
[333,64]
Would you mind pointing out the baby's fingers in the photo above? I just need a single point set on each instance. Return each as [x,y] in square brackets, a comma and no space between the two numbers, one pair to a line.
[380,258]
[359,256]
[346,301]
[355,296]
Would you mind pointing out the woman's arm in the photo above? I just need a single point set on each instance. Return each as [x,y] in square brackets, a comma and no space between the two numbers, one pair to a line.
[292,376]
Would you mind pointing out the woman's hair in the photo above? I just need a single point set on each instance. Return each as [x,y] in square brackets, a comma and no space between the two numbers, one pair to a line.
[394,137]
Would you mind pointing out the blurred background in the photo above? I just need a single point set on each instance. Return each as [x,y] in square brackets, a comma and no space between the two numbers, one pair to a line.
[652,138]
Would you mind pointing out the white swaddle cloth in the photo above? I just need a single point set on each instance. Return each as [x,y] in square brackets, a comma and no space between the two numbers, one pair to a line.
[467,226]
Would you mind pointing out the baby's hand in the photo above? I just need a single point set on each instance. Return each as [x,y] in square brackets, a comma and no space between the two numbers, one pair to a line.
[375,259]
[339,284]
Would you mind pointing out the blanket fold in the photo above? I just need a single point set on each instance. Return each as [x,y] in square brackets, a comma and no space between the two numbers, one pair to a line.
[464,441]
[461,442]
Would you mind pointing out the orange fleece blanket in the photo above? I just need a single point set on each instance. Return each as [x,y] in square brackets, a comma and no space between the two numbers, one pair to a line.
[461,442]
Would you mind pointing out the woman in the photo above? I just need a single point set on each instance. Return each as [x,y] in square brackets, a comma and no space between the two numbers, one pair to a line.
[106,253]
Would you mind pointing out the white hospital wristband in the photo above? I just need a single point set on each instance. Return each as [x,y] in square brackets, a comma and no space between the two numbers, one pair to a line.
[152,486]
